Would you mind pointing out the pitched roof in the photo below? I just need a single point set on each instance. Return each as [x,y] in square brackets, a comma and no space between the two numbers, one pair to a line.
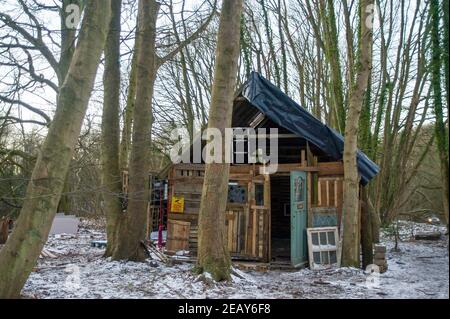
[285,112]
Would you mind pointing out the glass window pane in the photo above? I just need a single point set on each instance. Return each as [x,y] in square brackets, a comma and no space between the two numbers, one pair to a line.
[237,193]
[331,240]
[323,238]
[316,257]
[325,259]
[259,194]
[315,239]
[333,257]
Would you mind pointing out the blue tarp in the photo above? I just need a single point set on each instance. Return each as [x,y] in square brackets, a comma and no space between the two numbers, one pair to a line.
[282,110]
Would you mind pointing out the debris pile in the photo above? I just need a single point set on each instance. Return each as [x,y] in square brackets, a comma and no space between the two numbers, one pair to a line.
[380,257]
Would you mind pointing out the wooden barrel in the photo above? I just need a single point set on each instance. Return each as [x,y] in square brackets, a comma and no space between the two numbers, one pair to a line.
[177,235]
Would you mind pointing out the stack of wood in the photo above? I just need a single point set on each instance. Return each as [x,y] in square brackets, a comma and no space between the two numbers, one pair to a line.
[152,249]
[193,239]
[380,257]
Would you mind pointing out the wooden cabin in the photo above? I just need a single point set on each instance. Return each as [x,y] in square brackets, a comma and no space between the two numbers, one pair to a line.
[267,215]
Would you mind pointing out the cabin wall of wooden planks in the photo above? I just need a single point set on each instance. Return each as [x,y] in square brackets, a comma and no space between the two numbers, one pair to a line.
[329,194]
[177,235]
[247,232]
[248,226]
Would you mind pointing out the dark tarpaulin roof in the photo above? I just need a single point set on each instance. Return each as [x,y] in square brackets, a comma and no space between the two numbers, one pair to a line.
[282,110]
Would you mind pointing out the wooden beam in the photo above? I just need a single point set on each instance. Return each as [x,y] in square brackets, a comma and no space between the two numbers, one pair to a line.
[335,193]
[319,190]
[309,155]
[309,199]
[268,204]
[254,231]
[323,168]
[328,192]
[303,158]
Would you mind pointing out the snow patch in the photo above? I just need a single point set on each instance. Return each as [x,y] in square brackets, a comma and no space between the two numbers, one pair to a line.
[419,270]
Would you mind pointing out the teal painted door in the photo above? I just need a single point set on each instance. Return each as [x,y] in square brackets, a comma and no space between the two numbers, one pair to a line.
[299,254]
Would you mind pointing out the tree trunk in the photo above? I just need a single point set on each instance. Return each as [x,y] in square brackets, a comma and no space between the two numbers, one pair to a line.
[283,50]
[213,256]
[111,177]
[441,135]
[68,37]
[366,230]
[350,249]
[445,56]
[125,143]
[333,58]
[374,221]
[19,255]
[272,53]
[131,230]
[64,205]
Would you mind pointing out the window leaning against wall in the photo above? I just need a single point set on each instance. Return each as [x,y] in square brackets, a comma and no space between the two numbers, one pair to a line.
[237,193]
[322,247]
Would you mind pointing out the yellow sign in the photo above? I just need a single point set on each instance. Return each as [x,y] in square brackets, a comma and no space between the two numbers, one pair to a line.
[177,205]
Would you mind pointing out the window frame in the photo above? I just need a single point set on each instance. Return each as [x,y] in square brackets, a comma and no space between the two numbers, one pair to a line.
[318,248]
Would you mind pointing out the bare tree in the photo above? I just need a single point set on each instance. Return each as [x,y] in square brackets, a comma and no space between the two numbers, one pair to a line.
[22,250]
[129,230]
[350,208]
[111,127]
[213,256]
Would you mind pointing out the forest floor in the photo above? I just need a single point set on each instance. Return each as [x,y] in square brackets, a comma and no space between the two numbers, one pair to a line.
[419,270]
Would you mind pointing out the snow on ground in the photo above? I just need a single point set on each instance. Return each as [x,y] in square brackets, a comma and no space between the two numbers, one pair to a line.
[419,270]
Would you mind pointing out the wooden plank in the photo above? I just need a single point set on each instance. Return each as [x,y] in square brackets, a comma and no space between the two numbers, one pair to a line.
[331,168]
[254,232]
[178,222]
[315,178]
[245,228]
[237,231]
[268,256]
[177,235]
[335,194]
[309,200]
[268,204]
[249,247]
[324,168]
[238,206]
[328,192]
[331,178]
[190,179]
[243,176]
[261,234]
[230,232]
[258,207]
[180,192]
[309,155]
[188,166]
[191,217]
[287,168]
[340,200]
[149,223]
[241,168]
[303,158]
[319,190]
[235,222]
